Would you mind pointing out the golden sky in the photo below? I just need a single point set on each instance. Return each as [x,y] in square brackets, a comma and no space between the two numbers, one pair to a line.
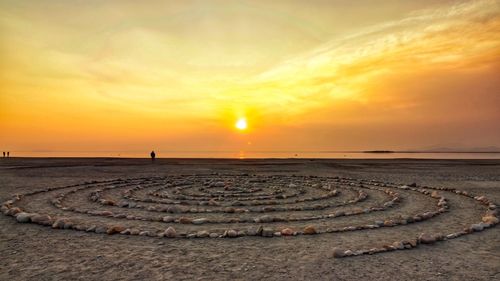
[305,75]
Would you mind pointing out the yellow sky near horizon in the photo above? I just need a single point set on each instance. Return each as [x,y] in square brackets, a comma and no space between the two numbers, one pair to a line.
[177,75]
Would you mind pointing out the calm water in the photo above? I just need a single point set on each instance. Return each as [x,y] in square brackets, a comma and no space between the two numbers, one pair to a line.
[256,154]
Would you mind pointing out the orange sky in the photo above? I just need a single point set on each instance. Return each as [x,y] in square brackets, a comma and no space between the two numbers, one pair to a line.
[305,75]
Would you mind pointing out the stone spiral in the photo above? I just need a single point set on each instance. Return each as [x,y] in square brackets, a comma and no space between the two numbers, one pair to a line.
[231,206]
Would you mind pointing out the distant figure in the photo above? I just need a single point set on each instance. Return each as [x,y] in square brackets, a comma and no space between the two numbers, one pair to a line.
[153,155]
[8,154]
[4,154]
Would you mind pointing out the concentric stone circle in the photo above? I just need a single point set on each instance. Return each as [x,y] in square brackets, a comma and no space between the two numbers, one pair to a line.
[231,206]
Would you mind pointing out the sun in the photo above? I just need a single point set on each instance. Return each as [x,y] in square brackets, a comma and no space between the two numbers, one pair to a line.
[241,124]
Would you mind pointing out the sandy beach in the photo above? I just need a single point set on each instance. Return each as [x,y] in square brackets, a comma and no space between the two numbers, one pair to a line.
[32,251]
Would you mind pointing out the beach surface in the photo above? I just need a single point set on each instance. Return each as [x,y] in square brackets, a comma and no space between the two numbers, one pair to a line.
[35,252]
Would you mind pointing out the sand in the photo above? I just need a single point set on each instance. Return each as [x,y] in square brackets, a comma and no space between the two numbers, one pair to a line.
[35,252]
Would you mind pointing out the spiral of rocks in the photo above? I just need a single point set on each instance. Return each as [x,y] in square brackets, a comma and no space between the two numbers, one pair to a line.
[232,206]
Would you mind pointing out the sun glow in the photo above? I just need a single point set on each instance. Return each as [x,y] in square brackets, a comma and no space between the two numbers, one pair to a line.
[241,124]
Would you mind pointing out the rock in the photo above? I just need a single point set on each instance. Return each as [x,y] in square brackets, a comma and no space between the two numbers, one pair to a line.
[338,253]
[339,214]
[212,202]
[425,238]
[277,234]
[435,194]
[175,209]
[286,232]
[23,217]
[264,219]
[267,232]
[170,232]
[59,223]
[168,219]
[115,229]
[101,229]
[185,220]
[200,221]
[213,235]
[202,234]
[41,219]
[477,227]
[412,185]
[91,228]
[348,253]
[310,230]
[398,245]
[232,233]
[389,223]
[219,184]
[108,202]
[14,211]
[255,231]
[413,242]
[490,219]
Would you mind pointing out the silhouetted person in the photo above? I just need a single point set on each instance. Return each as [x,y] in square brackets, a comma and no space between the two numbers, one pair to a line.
[4,154]
[153,155]
[8,154]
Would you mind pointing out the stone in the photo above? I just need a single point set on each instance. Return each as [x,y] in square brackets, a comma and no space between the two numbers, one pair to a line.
[212,202]
[59,223]
[308,230]
[115,229]
[108,202]
[185,220]
[490,219]
[232,233]
[339,214]
[389,223]
[170,232]
[348,253]
[425,238]
[264,219]
[200,221]
[219,184]
[168,219]
[101,229]
[286,232]
[202,234]
[175,209]
[477,227]
[398,245]
[214,235]
[267,232]
[14,211]
[338,253]
[23,217]
[41,219]
[255,231]
[91,228]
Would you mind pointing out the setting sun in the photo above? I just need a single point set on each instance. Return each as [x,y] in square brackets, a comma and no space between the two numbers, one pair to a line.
[241,124]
